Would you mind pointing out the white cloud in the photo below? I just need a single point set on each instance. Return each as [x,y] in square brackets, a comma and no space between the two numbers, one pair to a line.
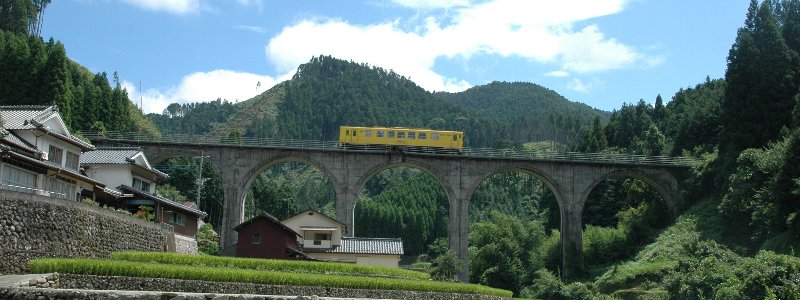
[259,4]
[431,4]
[256,29]
[201,87]
[582,86]
[559,73]
[540,31]
[178,7]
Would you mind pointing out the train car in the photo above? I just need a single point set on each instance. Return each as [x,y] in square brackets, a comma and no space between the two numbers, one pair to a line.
[402,138]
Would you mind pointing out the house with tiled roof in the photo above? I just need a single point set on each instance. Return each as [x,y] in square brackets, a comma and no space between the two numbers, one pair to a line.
[323,238]
[264,236]
[127,172]
[39,155]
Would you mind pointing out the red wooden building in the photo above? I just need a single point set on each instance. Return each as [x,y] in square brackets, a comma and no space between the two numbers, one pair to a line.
[264,236]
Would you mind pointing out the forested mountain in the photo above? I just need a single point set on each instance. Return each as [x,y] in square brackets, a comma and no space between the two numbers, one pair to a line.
[544,113]
[326,93]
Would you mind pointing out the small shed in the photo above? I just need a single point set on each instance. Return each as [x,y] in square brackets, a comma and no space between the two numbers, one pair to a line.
[264,236]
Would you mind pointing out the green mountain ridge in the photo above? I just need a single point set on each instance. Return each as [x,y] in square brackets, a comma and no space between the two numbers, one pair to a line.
[326,93]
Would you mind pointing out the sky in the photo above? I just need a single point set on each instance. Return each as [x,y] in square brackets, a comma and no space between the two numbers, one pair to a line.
[599,52]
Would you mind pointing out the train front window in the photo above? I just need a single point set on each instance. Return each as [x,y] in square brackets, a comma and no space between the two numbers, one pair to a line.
[391,134]
[401,135]
[380,133]
[434,136]
[423,136]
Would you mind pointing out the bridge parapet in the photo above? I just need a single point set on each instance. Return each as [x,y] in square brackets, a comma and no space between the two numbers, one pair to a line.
[521,154]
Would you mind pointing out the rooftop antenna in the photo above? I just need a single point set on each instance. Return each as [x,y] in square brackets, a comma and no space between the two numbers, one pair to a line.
[141,105]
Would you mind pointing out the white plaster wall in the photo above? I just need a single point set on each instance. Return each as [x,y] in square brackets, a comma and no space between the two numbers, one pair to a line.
[315,220]
[391,261]
[112,175]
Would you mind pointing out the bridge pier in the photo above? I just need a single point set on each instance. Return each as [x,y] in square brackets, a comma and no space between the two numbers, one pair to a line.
[570,179]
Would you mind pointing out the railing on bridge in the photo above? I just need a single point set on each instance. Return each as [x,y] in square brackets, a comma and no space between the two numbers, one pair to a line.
[613,158]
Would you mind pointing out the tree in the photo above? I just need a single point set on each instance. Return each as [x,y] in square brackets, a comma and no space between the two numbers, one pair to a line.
[594,139]
[207,240]
[759,95]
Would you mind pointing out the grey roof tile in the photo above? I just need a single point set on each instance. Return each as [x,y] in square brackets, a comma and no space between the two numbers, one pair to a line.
[358,245]
[109,156]
[19,117]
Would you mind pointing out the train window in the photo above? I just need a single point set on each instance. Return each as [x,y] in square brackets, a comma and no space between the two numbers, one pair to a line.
[380,133]
[347,132]
[391,134]
[411,135]
[434,136]
[455,138]
[401,135]
[422,136]
[367,133]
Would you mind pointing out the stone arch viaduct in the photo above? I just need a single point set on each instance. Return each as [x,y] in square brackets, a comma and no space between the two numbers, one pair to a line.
[570,180]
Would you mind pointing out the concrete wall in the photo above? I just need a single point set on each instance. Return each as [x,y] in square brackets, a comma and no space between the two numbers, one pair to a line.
[33,226]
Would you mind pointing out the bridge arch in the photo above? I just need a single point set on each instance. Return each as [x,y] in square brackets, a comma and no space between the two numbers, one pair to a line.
[662,182]
[267,163]
[364,178]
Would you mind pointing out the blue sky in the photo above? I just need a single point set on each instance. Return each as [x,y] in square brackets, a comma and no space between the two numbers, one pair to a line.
[599,52]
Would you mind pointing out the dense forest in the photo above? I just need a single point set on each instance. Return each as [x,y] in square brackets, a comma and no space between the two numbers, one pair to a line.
[736,236]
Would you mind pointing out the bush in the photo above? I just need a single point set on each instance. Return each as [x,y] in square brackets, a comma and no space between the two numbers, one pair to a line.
[446,267]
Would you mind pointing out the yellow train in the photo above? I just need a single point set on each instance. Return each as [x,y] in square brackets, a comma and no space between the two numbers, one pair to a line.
[400,137]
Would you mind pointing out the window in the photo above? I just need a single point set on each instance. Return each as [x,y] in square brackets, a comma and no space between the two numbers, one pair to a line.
[347,132]
[72,160]
[367,133]
[434,136]
[55,154]
[455,138]
[411,135]
[391,134]
[401,135]
[146,186]
[380,133]
[19,180]
[256,240]
[176,218]
[319,237]
[141,184]
[59,188]
[422,135]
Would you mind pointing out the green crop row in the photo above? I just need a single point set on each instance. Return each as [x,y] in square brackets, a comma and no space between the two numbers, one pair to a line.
[153,270]
[297,266]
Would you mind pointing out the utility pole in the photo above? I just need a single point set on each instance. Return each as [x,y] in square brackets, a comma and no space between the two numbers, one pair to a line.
[200,180]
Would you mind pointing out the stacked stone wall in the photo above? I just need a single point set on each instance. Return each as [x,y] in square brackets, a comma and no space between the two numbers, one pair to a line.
[33,226]
[185,244]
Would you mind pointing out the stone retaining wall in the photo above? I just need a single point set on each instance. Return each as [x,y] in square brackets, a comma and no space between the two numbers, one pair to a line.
[72,281]
[34,226]
[185,244]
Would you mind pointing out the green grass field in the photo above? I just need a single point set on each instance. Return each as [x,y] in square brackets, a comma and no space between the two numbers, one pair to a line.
[227,273]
